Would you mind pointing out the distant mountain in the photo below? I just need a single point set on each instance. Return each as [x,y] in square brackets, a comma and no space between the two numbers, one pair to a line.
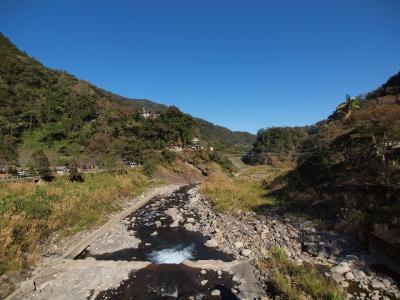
[42,107]
[224,138]
[277,145]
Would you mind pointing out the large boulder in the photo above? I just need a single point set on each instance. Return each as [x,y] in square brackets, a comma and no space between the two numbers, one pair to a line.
[341,268]
[211,243]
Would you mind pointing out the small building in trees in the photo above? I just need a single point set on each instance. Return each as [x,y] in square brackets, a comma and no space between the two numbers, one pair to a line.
[147,114]
[393,153]
[175,148]
[64,170]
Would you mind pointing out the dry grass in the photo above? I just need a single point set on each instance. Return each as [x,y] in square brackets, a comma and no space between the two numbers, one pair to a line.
[29,212]
[295,282]
[263,172]
[229,192]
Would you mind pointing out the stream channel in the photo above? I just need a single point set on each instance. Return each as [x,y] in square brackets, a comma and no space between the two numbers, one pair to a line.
[166,248]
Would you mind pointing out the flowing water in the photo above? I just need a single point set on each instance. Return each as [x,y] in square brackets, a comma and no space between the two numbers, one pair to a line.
[166,277]
[166,281]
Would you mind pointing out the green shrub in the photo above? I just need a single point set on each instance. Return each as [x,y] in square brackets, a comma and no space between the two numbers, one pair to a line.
[74,174]
[168,156]
[41,165]
[149,166]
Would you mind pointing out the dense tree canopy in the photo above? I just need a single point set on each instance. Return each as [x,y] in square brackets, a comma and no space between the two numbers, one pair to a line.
[277,143]
[72,120]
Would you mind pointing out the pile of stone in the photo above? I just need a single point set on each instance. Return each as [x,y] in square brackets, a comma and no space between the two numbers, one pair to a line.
[247,235]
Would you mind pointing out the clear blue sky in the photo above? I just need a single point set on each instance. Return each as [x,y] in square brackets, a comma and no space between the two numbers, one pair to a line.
[241,64]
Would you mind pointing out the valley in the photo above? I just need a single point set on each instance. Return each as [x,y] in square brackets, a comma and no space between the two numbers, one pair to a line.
[107,197]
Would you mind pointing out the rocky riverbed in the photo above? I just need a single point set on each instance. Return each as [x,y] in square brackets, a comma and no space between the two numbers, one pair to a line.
[177,247]
[148,255]
[247,235]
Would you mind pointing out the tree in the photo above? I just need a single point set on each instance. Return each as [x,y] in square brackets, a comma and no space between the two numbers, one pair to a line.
[41,165]
[74,174]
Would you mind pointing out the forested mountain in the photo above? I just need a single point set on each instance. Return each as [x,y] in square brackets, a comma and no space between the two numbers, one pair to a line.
[277,145]
[71,118]
[349,170]
[224,138]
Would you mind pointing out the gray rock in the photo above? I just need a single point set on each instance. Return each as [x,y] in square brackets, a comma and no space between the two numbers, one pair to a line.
[174,224]
[211,243]
[246,252]
[349,276]
[216,292]
[337,277]
[376,284]
[341,268]
[189,227]
[203,282]
[361,274]
[386,282]
[323,253]
[344,284]
[238,244]
[27,286]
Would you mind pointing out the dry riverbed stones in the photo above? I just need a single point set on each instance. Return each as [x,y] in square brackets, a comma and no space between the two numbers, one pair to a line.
[249,236]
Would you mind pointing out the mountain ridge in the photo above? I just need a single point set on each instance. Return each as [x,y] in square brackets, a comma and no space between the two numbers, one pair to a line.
[54,108]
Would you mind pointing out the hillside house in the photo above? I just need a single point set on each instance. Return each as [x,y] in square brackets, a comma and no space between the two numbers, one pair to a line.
[147,114]
[22,173]
[131,164]
[62,170]
[175,148]
[393,154]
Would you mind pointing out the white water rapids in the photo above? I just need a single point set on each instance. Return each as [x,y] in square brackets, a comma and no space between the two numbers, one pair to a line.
[173,255]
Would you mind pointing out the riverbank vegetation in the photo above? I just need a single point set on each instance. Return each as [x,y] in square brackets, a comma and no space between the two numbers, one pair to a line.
[227,192]
[29,213]
[297,282]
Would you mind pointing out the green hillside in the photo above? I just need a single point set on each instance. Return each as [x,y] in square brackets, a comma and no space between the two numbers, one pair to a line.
[223,138]
[70,118]
[348,170]
[277,145]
